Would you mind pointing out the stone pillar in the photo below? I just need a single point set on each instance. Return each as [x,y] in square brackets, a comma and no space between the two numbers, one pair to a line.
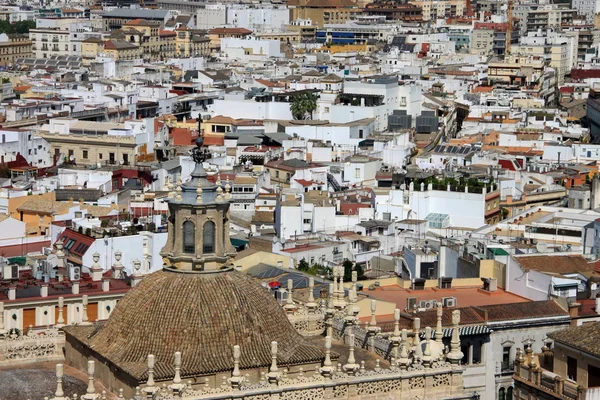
[3,330]
[118,267]
[470,357]
[84,315]
[59,394]
[136,277]
[455,354]
[75,287]
[60,322]
[96,268]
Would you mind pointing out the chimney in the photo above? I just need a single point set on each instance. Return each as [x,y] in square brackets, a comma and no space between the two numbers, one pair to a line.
[12,292]
[75,288]
[105,285]
[44,290]
[597,309]
[574,312]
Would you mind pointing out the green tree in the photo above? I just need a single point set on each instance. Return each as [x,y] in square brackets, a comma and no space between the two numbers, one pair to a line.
[303,266]
[360,272]
[303,105]
[347,270]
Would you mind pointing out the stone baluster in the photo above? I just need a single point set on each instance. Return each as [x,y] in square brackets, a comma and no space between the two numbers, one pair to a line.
[274,375]
[351,366]
[91,389]
[84,316]
[311,305]
[341,287]
[290,306]
[416,331]
[177,386]
[439,330]
[3,331]
[455,354]
[334,276]
[418,352]
[150,388]
[404,361]
[61,320]
[59,394]
[329,311]
[427,358]
[236,376]
[395,337]
[327,368]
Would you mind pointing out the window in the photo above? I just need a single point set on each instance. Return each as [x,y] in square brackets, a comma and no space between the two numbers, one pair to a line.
[506,358]
[85,154]
[356,173]
[572,368]
[189,237]
[208,237]
[360,133]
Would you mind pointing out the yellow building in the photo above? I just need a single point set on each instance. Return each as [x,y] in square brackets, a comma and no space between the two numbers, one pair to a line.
[167,44]
[14,46]
[38,211]
[322,12]
[122,50]
[90,48]
[191,43]
[148,37]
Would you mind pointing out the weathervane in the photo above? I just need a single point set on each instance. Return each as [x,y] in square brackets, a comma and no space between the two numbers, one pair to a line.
[199,154]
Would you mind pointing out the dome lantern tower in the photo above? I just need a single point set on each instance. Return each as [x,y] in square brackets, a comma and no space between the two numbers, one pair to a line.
[198,238]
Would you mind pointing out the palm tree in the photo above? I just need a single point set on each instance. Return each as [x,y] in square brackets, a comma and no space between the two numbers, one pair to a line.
[303,105]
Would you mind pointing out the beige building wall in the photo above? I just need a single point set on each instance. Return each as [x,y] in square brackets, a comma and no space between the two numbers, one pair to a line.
[90,150]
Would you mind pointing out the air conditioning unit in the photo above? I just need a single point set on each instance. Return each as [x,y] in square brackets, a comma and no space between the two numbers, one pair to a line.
[449,301]
[427,304]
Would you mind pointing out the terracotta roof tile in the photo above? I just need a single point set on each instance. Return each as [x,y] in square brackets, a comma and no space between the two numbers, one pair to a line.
[555,264]
[201,315]
[585,337]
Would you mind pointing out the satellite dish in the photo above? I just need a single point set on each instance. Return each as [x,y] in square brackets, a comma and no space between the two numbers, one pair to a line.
[99,165]
[52,260]
[71,157]
[541,247]
[121,162]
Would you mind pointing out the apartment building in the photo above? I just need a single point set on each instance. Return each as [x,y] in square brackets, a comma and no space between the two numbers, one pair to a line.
[48,42]
[14,46]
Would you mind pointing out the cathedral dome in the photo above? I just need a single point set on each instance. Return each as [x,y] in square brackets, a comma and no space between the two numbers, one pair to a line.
[202,315]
